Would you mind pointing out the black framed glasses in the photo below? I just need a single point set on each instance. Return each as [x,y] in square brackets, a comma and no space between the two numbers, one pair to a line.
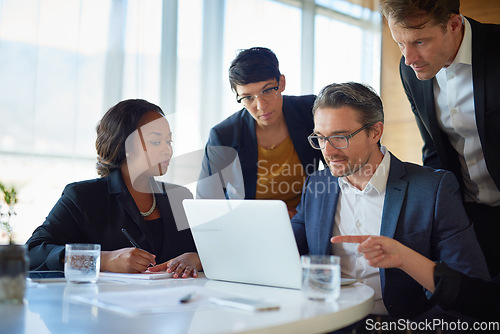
[337,141]
[266,94]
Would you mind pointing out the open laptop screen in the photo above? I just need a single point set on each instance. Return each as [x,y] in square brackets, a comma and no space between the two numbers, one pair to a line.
[246,241]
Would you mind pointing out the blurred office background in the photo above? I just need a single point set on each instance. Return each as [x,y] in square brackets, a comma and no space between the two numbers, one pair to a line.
[64,63]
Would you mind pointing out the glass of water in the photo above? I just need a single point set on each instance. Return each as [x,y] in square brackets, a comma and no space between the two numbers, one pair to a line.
[82,263]
[321,277]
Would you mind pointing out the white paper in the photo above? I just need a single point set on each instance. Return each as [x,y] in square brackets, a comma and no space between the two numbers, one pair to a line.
[148,275]
[152,300]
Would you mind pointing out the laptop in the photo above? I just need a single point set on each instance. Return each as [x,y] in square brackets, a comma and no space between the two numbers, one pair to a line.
[245,241]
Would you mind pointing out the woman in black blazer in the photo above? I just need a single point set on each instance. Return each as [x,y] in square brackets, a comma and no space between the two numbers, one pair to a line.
[134,144]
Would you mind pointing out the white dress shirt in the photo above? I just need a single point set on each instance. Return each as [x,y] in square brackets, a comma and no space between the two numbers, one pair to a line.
[359,212]
[454,100]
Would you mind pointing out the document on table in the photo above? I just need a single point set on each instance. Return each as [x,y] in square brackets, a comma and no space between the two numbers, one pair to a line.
[148,275]
[148,301]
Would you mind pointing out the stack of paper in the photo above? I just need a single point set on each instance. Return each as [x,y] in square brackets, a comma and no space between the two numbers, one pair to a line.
[148,275]
[147,301]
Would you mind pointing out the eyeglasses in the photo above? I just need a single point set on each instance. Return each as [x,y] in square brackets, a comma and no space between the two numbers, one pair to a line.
[266,94]
[337,141]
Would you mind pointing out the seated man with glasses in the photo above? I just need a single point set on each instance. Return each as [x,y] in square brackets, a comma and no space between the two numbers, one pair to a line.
[261,151]
[367,191]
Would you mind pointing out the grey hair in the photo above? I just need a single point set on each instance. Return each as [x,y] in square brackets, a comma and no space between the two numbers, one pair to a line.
[360,97]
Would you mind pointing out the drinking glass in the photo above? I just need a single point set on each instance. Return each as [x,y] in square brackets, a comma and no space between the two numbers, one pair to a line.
[82,263]
[321,277]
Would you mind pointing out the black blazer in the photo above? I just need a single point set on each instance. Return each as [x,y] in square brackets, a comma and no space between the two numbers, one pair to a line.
[437,151]
[470,296]
[234,139]
[95,211]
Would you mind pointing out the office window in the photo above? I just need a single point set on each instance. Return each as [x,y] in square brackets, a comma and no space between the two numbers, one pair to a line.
[64,63]
[187,133]
[50,52]
[266,23]
[347,44]
[142,46]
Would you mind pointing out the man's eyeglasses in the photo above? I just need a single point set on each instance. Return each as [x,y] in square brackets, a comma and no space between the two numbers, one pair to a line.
[337,141]
[266,94]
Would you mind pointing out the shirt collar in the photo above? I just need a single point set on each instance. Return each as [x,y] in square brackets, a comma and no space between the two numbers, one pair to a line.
[378,180]
[464,54]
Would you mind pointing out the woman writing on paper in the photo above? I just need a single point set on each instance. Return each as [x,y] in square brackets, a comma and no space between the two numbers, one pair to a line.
[134,144]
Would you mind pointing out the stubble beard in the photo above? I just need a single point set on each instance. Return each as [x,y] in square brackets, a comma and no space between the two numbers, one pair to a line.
[349,169]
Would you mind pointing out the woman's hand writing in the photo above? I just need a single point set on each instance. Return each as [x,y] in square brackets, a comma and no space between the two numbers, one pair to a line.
[126,260]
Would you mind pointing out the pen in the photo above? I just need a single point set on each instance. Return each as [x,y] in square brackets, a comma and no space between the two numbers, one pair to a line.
[187,298]
[132,241]
[129,237]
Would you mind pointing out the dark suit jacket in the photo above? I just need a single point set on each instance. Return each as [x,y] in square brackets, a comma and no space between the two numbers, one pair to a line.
[437,151]
[470,296]
[422,210]
[95,211]
[232,145]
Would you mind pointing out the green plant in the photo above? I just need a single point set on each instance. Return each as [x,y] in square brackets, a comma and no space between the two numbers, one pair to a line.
[10,198]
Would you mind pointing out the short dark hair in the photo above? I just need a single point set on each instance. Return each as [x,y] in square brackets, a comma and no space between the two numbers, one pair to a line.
[352,94]
[437,11]
[253,65]
[114,128]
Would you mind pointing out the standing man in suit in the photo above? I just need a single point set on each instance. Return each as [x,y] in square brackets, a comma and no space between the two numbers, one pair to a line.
[367,190]
[449,71]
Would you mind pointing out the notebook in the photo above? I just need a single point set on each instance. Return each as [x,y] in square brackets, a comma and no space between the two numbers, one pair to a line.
[147,275]
[245,241]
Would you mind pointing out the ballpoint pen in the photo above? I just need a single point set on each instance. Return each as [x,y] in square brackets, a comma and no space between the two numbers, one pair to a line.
[129,237]
[132,241]
[187,298]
